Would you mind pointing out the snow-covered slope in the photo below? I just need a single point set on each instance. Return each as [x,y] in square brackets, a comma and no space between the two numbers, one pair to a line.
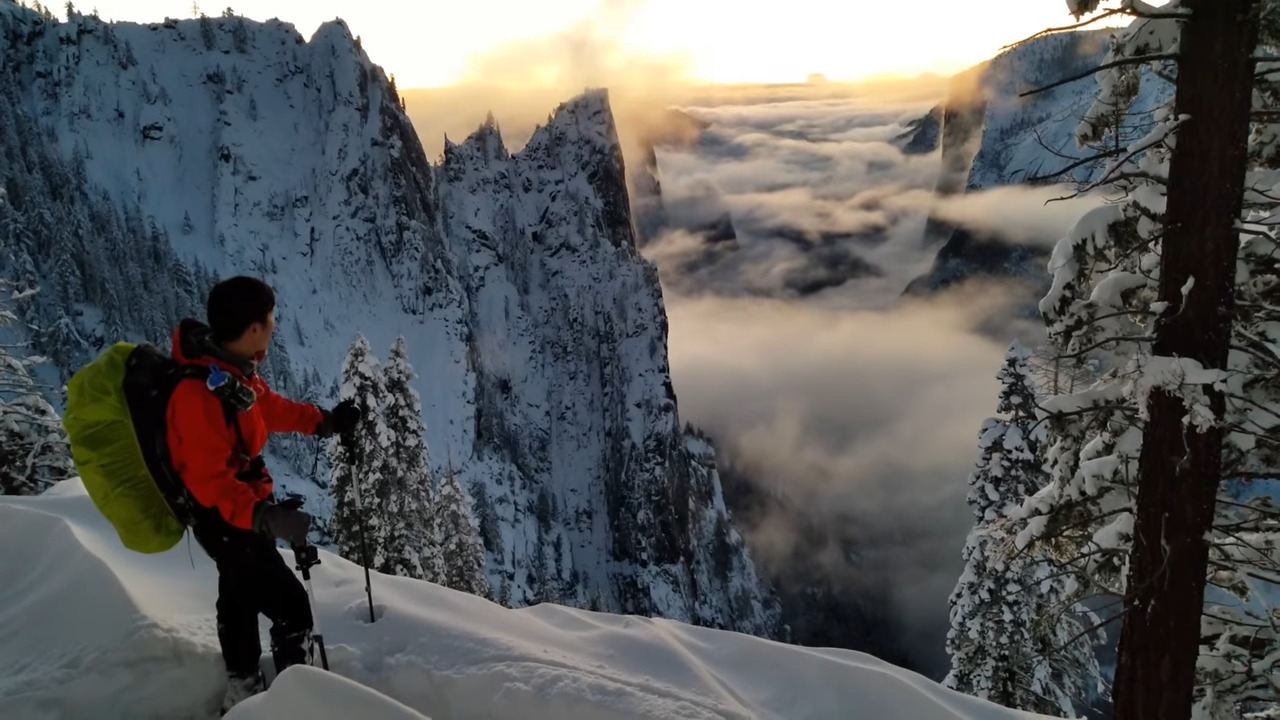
[91,630]
[536,329]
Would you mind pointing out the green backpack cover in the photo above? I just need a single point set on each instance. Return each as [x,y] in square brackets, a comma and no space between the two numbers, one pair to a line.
[115,421]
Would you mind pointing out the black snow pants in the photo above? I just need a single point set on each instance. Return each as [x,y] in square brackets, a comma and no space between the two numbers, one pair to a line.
[253,578]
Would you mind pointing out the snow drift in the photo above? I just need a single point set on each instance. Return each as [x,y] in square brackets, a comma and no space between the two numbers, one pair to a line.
[90,629]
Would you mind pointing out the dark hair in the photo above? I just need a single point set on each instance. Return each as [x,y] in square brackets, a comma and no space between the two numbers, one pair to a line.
[235,304]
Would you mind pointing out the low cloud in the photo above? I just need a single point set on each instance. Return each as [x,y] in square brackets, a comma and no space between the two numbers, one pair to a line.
[809,184]
[864,418]
[1038,215]
[826,117]
[805,199]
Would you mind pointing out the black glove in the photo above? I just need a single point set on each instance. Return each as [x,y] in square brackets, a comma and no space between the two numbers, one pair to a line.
[285,521]
[254,472]
[291,501]
[341,420]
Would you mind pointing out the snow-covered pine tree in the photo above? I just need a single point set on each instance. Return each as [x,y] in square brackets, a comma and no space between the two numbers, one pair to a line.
[430,554]
[359,475]
[1109,303]
[34,452]
[411,500]
[1239,664]
[989,623]
[1180,465]
[458,536]
[1013,640]
[1098,314]
[486,519]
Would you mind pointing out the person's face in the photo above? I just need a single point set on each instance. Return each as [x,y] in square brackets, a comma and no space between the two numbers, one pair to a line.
[258,337]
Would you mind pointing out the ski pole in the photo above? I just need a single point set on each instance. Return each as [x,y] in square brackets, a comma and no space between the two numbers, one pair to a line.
[306,556]
[364,547]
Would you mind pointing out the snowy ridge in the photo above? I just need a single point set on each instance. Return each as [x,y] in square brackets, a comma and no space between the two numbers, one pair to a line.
[89,629]
[569,345]
[537,331]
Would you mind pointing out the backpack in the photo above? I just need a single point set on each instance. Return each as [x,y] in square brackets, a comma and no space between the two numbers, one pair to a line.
[115,421]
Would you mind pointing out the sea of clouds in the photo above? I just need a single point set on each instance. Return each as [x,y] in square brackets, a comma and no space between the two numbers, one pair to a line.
[858,404]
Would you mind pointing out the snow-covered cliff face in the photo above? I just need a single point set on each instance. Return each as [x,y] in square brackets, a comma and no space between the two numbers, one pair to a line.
[574,405]
[1026,137]
[992,136]
[220,146]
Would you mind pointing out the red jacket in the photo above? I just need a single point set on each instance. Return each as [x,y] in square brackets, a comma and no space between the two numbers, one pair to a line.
[203,446]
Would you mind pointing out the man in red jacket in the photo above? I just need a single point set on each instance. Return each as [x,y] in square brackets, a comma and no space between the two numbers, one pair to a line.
[216,432]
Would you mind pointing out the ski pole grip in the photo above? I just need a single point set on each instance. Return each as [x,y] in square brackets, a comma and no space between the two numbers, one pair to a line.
[306,556]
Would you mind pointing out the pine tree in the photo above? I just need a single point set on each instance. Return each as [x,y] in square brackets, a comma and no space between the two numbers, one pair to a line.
[206,32]
[239,36]
[1155,299]
[359,467]
[487,518]
[430,553]
[462,554]
[34,452]
[1239,665]
[1180,471]
[1012,639]
[411,501]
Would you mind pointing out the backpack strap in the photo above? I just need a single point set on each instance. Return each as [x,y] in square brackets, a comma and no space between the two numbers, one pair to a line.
[233,393]
[232,416]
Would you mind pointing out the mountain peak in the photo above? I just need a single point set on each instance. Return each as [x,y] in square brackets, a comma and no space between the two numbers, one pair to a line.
[336,35]
[485,146]
[335,31]
[587,117]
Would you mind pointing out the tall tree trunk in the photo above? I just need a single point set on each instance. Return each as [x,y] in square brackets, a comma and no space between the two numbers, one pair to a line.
[1180,467]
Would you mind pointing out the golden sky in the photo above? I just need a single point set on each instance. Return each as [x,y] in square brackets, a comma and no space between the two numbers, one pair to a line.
[432,44]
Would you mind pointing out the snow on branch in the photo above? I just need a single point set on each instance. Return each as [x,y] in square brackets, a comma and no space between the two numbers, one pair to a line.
[1184,377]
[1158,136]
[1137,8]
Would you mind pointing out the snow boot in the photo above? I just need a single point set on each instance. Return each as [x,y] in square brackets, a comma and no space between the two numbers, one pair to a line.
[267,666]
[289,648]
[240,687]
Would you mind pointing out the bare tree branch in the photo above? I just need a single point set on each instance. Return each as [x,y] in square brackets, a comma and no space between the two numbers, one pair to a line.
[1074,165]
[1103,343]
[1064,28]
[1139,60]
[1087,631]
